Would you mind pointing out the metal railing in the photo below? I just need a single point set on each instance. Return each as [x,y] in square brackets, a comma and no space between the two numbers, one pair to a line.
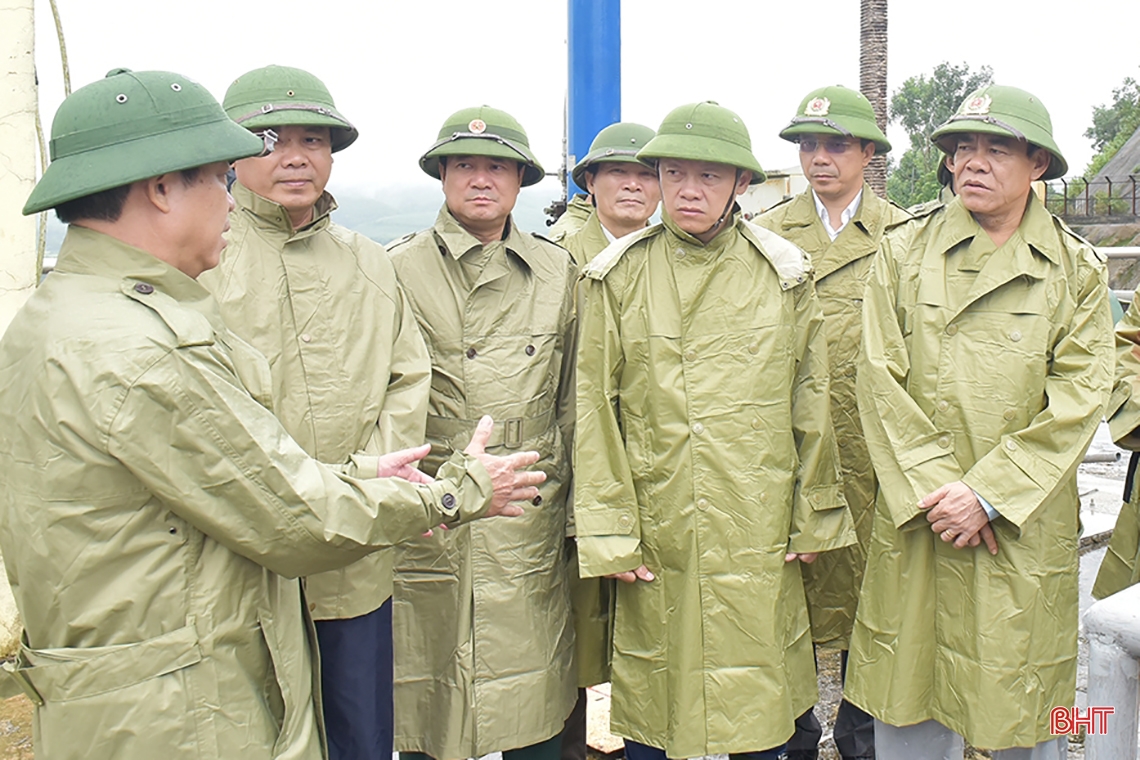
[1112,626]
[1102,197]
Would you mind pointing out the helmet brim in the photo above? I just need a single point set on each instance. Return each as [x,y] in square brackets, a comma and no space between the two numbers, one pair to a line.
[488,145]
[799,127]
[341,132]
[686,148]
[93,171]
[604,156]
[945,137]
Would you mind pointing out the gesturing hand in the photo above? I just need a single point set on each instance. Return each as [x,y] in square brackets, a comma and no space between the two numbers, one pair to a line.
[398,464]
[511,483]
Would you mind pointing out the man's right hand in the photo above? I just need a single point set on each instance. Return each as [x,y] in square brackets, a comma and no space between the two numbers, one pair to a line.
[511,483]
[631,576]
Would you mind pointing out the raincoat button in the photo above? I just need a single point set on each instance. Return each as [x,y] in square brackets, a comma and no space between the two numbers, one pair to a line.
[943,405]
[624,521]
[537,501]
[529,350]
[763,496]
[754,348]
[312,607]
[757,424]
[952,330]
[145,288]
[843,443]
[471,353]
[944,441]
[680,253]
[1015,336]
[448,501]
[1009,415]
[307,338]
[703,505]
[1010,446]
[698,428]
[690,356]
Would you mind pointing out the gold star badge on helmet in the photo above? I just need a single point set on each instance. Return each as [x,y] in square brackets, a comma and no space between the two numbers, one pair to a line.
[977,106]
[817,107]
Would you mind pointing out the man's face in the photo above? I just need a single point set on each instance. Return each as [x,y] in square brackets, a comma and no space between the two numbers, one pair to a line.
[695,193]
[295,173]
[833,164]
[480,190]
[626,194]
[992,173]
[200,215]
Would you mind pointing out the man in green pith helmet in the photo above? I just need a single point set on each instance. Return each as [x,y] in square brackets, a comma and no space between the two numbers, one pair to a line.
[623,191]
[838,221]
[154,514]
[705,463]
[350,370]
[986,366]
[483,633]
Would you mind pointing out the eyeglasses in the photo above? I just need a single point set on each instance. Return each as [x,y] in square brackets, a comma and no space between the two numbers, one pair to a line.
[836,146]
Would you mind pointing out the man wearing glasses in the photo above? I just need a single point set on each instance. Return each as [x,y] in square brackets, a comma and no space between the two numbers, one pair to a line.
[838,221]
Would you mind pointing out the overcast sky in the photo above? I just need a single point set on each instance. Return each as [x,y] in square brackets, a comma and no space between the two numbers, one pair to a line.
[397,68]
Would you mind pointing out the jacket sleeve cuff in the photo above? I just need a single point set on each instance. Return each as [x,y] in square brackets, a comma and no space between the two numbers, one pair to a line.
[462,490]
[606,555]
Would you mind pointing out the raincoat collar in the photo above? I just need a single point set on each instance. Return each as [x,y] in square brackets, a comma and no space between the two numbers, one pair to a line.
[857,239]
[719,241]
[271,215]
[457,241]
[87,252]
[1036,230]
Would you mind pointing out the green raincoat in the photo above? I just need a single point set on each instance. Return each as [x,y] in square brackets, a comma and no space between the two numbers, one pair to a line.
[704,450]
[991,367]
[578,210]
[153,512]
[350,369]
[592,598]
[841,267]
[481,617]
[1121,565]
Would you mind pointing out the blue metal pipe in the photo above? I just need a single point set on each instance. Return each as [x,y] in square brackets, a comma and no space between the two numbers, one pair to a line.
[594,93]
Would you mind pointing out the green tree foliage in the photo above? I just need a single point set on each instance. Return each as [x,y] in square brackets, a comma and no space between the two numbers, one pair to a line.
[920,106]
[1113,125]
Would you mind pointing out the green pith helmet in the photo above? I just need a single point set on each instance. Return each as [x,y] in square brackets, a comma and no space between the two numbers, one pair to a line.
[617,143]
[279,96]
[836,110]
[483,131]
[1008,111]
[133,125]
[704,132]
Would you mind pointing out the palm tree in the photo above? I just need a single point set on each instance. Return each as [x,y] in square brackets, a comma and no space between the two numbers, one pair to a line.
[873,78]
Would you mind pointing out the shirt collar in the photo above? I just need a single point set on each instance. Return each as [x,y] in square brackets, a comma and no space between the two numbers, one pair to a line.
[844,217]
[273,215]
[457,241]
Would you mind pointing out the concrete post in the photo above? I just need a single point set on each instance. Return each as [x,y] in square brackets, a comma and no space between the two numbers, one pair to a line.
[1113,629]
[18,276]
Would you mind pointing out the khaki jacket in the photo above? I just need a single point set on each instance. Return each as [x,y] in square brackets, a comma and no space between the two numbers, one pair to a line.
[990,367]
[841,268]
[578,210]
[350,370]
[481,617]
[153,514]
[1121,565]
[704,450]
[587,241]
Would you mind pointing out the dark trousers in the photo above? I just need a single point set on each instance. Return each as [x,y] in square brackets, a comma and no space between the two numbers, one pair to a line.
[356,682]
[547,750]
[635,751]
[574,732]
[854,729]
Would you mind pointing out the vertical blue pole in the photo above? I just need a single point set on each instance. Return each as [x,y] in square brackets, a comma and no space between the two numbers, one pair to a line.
[594,92]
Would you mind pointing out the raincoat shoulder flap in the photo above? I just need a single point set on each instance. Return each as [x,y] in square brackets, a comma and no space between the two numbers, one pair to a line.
[791,263]
[1072,239]
[190,328]
[601,264]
